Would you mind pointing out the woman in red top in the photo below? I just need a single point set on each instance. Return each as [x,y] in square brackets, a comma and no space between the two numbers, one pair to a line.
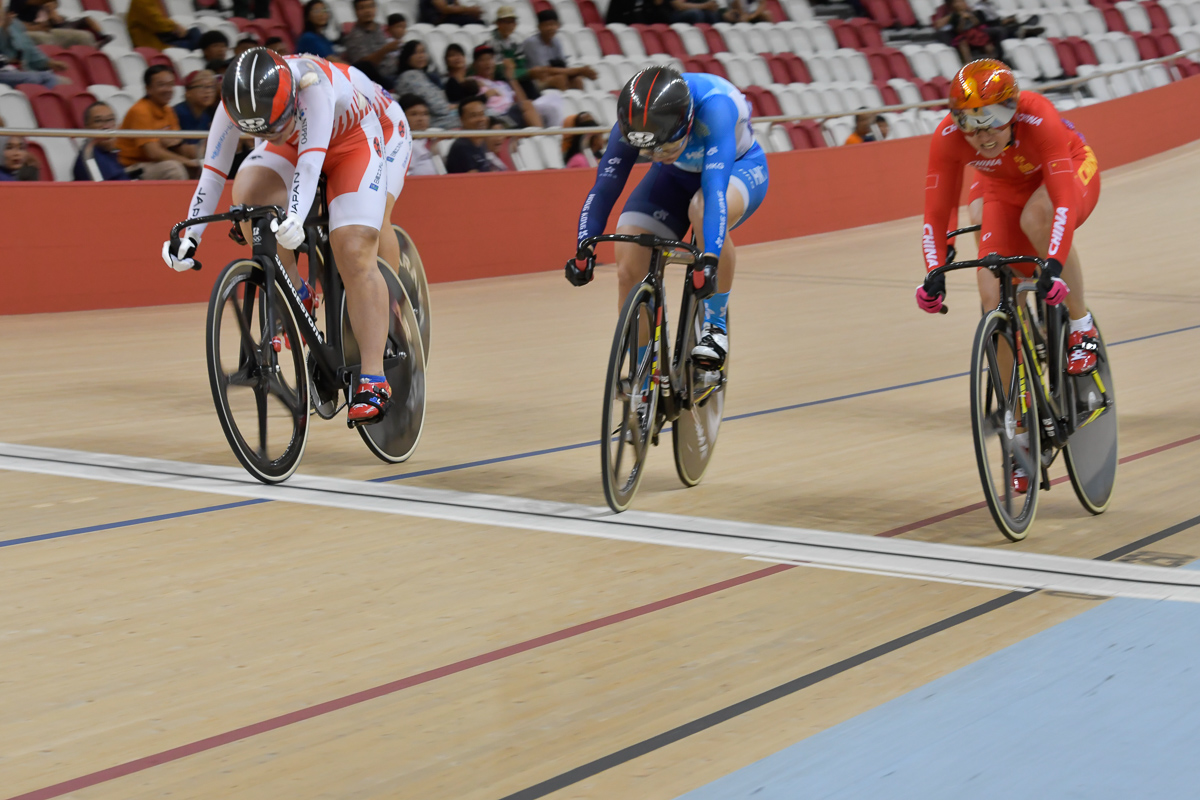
[1039,181]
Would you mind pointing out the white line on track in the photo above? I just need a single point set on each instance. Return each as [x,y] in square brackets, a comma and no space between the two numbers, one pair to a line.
[999,569]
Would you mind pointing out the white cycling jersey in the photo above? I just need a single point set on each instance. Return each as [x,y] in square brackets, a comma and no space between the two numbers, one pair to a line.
[330,111]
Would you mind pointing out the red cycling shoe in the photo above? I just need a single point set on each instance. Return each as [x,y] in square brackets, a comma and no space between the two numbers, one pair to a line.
[370,403]
[1082,347]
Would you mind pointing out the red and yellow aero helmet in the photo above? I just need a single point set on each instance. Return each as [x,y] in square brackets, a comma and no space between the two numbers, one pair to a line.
[983,95]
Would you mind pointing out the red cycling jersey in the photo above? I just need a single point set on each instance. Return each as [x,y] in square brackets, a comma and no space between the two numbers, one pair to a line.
[1045,149]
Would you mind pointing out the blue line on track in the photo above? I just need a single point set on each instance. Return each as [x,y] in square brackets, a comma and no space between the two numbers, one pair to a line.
[520,456]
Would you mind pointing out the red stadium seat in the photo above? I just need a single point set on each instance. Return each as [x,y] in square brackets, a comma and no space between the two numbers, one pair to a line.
[241,23]
[880,12]
[99,69]
[1186,68]
[1167,44]
[712,37]
[542,5]
[779,70]
[154,58]
[764,101]
[1147,47]
[845,34]
[1066,57]
[1115,20]
[941,86]
[898,63]
[713,67]
[290,14]
[890,98]
[589,12]
[1159,21]
[799,135]
[902,11]
[775,9]
[927,89]
[609,45]
[97,5]
[672,44]
[35,150]
[878,62]
[77,100]
[49,108]
[814,133]
[651,41]
[1084,54]
[868,33]
[796,68]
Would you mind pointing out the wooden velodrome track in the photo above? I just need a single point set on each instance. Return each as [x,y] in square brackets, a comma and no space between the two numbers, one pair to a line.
[286,649]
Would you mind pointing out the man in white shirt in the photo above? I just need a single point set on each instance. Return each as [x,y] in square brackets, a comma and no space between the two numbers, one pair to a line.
[425,160]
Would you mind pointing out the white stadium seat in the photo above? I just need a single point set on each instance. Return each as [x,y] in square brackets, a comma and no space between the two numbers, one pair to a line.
[61,154]
[692,38]
[16,111]
[1135,16]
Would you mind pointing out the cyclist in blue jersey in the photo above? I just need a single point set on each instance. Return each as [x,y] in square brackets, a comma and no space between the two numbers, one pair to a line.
[708,173]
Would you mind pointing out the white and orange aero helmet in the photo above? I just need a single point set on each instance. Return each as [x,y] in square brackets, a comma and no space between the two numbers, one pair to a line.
[983,95]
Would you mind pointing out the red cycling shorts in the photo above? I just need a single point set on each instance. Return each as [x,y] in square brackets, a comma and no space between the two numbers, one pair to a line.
[1003,203]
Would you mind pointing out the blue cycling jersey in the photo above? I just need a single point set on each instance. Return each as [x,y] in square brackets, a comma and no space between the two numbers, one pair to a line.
[720,135]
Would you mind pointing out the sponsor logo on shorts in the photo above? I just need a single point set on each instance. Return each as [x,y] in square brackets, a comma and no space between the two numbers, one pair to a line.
[929,245]
[378,147]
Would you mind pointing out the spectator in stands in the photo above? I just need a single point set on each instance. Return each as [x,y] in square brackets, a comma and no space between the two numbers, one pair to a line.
[504,98]
[747,11]
[397,27]
[424,154]
[316,21]
[497,146]
[458,83]
[245,43]
[368,46]
[38,17]
[548,61]
[195,113]
[159,159]
[16,162]
[585,151]
[277,44]
[695,11]
[417,78]
[20,59]
[98,160]
[261,9]
[969,35]
[506,44]
[214,47]
[448,12]
[149,26]
[470,154]
[868,129]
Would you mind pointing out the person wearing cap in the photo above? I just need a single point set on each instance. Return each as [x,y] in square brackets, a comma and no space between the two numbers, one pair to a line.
[506,44]
[548,61]
[195,113]
[448,12]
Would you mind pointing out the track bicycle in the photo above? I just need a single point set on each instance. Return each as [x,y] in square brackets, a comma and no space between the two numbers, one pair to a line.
[1076,416]
[647,386]
[270,365]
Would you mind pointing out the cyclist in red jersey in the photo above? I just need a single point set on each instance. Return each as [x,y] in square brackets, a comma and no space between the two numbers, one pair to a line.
[1038,181]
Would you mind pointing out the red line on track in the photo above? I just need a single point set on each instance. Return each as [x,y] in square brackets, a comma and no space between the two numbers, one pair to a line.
[329,706]
[291,718]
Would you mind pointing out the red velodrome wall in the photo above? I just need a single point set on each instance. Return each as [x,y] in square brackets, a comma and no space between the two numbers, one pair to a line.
[76,246]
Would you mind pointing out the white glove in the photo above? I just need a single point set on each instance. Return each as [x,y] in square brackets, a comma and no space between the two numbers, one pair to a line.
[179,261]
[290,233]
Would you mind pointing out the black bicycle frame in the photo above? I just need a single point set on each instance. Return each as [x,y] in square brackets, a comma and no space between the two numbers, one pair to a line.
[662,253]
[1055,425]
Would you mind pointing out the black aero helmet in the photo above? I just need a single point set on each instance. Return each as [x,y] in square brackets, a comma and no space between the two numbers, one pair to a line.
[654,108]
[259,92]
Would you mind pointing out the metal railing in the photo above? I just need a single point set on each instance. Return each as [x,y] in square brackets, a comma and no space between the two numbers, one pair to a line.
[530,132]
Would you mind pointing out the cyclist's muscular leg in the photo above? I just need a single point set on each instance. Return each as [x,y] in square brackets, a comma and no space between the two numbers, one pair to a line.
[354,249]
[389,247]
[262,186]
[632,262]
[735,207]
[1037,221]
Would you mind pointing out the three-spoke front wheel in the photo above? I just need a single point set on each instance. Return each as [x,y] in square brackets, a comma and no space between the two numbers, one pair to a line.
[1002,408]
[630,399]
[257,374]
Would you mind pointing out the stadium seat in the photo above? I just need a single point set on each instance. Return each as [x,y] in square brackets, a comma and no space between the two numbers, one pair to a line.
[819,68]
[75,70]
[586,44]
[821,37]
[76,99]
[1084,53]
[609,45]
[903,13]
[1127,51]
[845,33]
[97,5]
[59,155]
[1136,18]
[736,70]
[49,108]
[797,68]
[1066,57]
[630,41]
[906,90]
[798,10]
[1158,16]
[1071,23]
[780,141]
[692,39]
[1115,20]
[153,58]
[924,65]
[887,93]
[1046,57]
[1155,76]
[868,33]
[1094,22]
[777,40]
[1146,45]
[16,110]
[800,40]
[1167,44]
[97,65]
[881,12]
[589,12]
[45,170]
[779,70]
[1177,14]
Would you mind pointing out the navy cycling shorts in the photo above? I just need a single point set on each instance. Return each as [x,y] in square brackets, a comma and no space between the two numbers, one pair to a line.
[660,202]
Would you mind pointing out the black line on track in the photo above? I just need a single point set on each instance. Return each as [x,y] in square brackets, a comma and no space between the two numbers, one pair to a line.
[729,712]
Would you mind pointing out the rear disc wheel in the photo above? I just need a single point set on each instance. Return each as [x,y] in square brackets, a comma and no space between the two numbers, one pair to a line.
[1091,452]
[694,433]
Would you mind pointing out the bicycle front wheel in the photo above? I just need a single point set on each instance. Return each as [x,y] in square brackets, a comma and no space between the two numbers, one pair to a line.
[1002,406]
[630,399]
[257,374]
[694,433]
[1091,452]
[394,438]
